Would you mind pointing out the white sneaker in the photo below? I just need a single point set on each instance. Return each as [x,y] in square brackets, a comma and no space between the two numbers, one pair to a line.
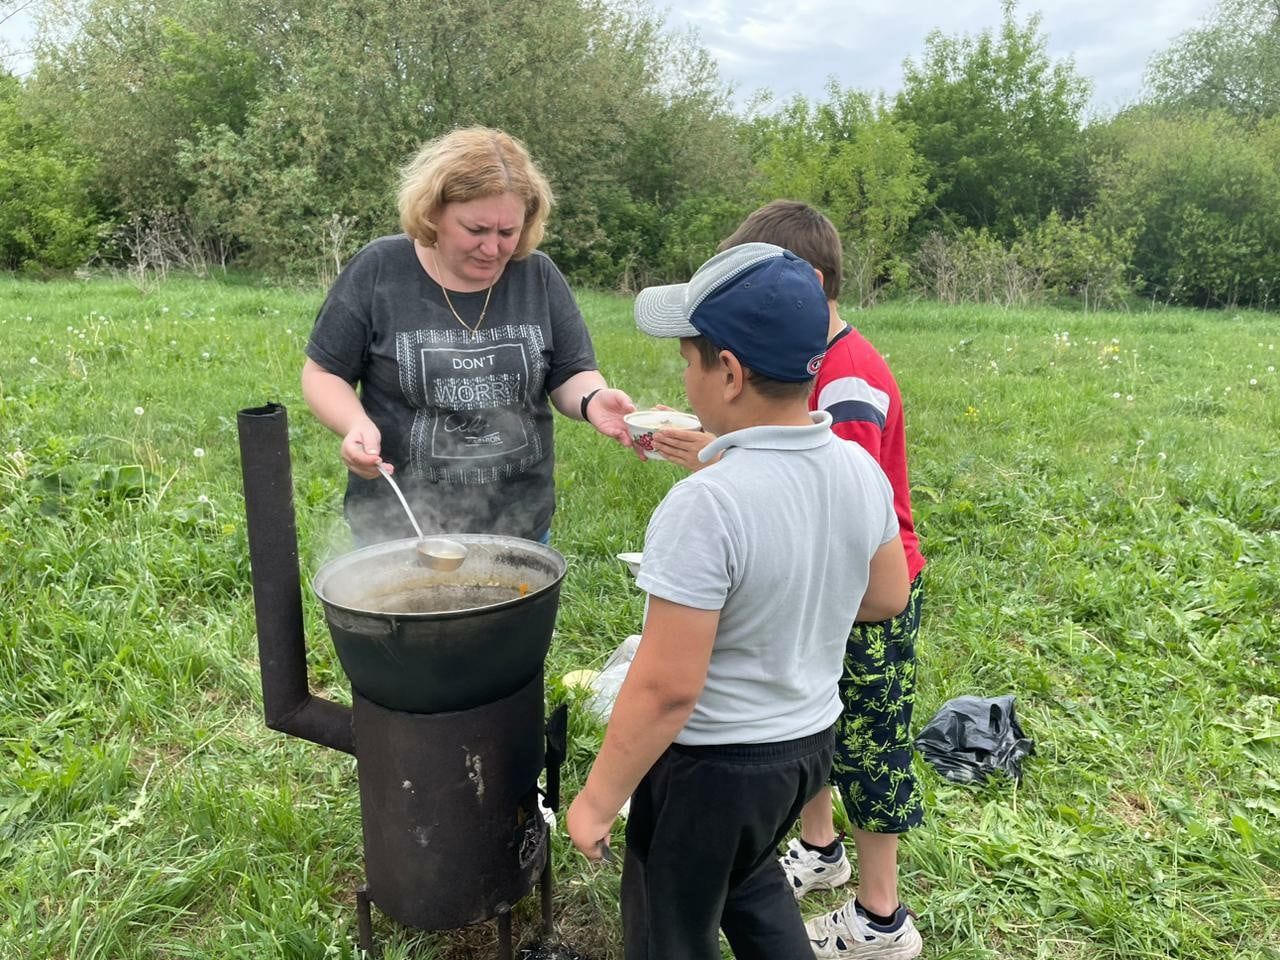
[848,933]
[806,870]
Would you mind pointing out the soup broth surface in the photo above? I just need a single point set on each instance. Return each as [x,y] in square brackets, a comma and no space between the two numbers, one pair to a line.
[439,598]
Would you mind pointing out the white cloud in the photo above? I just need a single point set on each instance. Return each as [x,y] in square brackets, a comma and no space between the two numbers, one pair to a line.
[793,47]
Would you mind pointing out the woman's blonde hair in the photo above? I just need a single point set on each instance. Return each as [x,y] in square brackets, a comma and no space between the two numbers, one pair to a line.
[468,164]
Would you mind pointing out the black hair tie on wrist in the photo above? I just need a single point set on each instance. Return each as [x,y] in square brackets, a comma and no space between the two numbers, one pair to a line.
[586,399]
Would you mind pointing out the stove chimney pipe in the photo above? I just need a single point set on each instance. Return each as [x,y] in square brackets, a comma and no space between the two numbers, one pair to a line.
[288,703]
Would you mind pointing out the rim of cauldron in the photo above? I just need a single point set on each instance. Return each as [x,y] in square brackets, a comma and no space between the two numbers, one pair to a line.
[335,565]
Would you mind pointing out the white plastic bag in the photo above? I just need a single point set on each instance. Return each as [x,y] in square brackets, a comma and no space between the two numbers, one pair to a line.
[608,681]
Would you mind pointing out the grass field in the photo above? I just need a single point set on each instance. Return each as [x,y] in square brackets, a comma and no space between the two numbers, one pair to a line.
[1098,495]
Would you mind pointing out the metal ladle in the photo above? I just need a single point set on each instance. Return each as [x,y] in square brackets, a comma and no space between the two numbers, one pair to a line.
[438,553]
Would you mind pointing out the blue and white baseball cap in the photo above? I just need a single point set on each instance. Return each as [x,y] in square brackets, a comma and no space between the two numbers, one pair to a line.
[758,301]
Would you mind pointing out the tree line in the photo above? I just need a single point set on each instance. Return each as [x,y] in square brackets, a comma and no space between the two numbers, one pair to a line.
[266,135]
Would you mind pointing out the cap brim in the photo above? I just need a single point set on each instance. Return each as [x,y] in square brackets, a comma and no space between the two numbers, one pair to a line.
[660,311]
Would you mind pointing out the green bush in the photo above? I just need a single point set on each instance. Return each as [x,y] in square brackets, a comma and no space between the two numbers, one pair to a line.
[850,158]
[1059,258]
[1201,194]
[974,266]
[1079,258]
[48,218]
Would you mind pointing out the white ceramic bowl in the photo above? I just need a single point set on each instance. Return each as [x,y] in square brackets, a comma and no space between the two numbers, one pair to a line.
[644,423]
[632,560]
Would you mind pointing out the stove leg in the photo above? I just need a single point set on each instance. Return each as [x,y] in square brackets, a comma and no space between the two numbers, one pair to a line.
[504,933]
[545,884]
[364,920]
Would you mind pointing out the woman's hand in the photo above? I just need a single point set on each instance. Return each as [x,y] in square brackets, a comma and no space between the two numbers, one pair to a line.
[605,413]
[588,829]
[361,449]
[682,446]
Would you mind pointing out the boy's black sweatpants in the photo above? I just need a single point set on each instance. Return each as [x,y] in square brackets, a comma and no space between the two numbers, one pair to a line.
[702,835]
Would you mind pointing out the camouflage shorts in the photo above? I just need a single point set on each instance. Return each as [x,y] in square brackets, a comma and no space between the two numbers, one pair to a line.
[872,767]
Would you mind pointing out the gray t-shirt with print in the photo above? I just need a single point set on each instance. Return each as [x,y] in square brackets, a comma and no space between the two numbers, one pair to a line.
[777,536]
[464,416]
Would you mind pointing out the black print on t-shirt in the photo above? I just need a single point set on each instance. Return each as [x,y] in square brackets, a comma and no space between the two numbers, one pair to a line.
[472,414]
[472,391]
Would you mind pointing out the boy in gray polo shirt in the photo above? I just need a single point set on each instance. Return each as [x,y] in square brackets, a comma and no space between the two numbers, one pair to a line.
[755,568]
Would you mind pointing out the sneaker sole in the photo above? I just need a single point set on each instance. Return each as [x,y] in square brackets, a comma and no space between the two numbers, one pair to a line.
[900,951]
[907,948]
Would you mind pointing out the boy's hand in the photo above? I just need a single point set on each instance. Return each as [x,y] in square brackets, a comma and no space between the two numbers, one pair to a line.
[682,446]
[588,829]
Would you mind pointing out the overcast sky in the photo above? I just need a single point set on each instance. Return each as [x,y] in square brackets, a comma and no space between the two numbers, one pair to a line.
[794,46]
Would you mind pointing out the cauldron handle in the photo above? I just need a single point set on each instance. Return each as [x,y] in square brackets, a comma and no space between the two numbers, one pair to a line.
[288,703]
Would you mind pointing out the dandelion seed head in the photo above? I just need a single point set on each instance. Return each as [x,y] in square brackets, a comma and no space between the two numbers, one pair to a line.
[198,452]
[205,355]
[1130,399]
[202,499]
[1160,455]
[1253,381]
[34,361]
[1116,395]
[138,411]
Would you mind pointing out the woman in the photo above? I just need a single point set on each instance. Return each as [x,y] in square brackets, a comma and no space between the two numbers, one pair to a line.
[458,332]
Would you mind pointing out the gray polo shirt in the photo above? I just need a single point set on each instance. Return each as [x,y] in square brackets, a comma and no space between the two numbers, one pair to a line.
[778,537]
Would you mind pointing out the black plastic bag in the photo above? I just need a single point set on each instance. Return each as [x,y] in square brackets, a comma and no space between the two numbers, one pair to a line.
[971,738]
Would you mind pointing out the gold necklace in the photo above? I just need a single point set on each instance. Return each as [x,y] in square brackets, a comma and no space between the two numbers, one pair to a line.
[483,310]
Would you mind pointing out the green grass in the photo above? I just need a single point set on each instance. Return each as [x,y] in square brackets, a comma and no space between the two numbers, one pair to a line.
[1101,511]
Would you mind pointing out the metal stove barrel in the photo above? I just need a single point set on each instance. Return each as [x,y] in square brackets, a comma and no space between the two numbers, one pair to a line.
[452,830]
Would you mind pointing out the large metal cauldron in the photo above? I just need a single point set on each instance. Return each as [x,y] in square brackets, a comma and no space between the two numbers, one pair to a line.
[426,641]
